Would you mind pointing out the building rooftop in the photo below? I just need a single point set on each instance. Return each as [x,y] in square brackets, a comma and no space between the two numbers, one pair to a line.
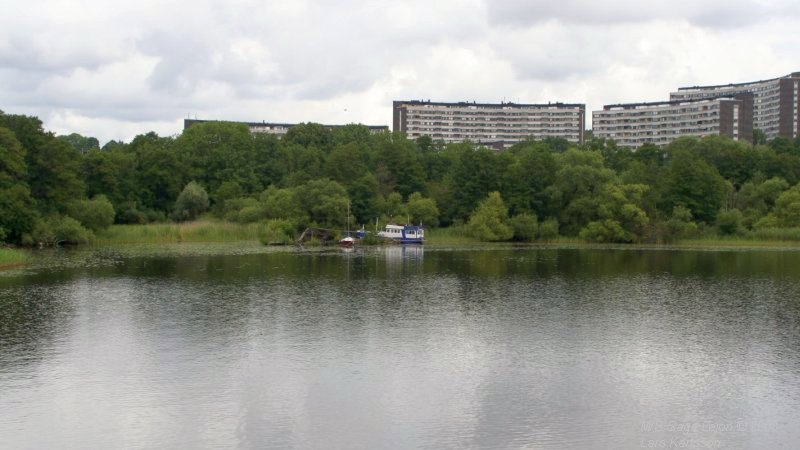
[665,103]
[715,86]
[189,122]
[491,105]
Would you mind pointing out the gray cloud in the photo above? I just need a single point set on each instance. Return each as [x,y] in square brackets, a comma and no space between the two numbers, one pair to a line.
[707,13]
[107,68]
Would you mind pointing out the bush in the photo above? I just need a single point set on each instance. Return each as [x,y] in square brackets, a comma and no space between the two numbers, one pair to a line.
[56,230]
[490,221]
[681,225]
[192,201]
[371,239]
[422,210]
[608,230]
[548,230]
[228,190]
[729,221]
[42,234]
[69,230]
[95,214]
[154,215]
[130,213]
[525,226]
[278,232]
[250,214]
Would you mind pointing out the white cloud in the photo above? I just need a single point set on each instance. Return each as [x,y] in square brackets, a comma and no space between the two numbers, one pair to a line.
[132,66]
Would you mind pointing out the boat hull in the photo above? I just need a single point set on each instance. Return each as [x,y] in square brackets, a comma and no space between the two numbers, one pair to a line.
[417,241]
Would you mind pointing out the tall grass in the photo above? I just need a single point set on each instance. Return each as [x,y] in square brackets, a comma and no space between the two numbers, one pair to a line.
[454,235]
[10,257]
[219,231]
[767,237]
[165,233]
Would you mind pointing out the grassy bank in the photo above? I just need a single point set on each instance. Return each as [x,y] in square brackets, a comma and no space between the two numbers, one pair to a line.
[10,257]
[449,236]
[220,231]
[771,237]
[168,233]
[458,235]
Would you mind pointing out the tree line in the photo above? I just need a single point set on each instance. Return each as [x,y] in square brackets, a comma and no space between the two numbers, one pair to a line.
[67,187]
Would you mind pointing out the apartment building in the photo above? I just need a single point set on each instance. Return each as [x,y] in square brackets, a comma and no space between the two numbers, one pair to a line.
[775,102]
[659,123]
[498,125]
[279,129]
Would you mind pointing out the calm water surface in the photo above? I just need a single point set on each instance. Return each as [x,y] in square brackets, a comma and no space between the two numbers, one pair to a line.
[222,346]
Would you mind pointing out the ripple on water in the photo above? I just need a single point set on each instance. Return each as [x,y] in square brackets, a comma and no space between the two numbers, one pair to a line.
[200,346]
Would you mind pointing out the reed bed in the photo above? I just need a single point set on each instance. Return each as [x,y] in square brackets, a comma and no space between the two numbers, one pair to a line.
[11,257]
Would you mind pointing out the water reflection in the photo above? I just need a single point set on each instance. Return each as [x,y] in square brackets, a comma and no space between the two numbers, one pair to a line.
[403,347]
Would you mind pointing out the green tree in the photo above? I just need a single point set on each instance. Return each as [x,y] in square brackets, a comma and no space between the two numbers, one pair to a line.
[422,210]
[548,230]
[490,220]
[160,175]
[215,152]
[111,173]
[226,191]
[54,175]
[620,216]
[96,214]
[397,165]
[786,213]
[729,221]
[283,204]
[278,232]
[693,183]
[351,133]
[393,207]
[269,162]
[579,183]
[17,214]
[473,175]
[192,201]
[365,199]
[681,224]
[13,169]
[525,226]
[759,137]
[310,135]
[83,144]
[324,201]
[755,199]
[345,163]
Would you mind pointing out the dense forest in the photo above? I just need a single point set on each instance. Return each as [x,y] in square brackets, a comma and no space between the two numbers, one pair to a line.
[56,188]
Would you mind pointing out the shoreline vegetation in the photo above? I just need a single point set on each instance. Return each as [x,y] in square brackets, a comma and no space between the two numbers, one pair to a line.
[11,258]
[213,231]
[217,182]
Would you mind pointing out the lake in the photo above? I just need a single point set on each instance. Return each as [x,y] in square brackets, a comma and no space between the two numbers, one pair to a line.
[198,346]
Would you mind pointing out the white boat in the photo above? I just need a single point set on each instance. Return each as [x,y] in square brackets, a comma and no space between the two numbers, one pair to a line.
[402,234]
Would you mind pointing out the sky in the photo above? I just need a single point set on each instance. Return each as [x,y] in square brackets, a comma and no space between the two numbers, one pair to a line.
[116,69]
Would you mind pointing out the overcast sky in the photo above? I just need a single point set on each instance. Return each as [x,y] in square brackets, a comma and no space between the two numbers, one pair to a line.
[115,69]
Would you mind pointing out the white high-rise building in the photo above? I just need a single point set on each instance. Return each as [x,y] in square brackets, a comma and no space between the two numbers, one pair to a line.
[633,124]
[498,125]
[775,102]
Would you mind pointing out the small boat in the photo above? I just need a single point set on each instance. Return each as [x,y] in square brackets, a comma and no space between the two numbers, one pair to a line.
[401,234]
[347,242]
